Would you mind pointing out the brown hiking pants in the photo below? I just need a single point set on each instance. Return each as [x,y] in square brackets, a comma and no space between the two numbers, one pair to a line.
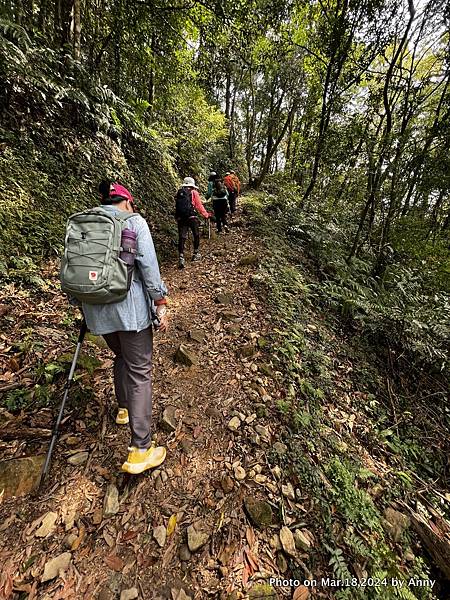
[133,380]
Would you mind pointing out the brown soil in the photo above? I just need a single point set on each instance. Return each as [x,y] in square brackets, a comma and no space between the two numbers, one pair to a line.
[197,482]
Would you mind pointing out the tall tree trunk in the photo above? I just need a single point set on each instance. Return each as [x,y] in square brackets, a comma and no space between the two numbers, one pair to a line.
[117,67]
[251,128]
[151,76]
[42,20]
[376,177]
[232,133]
[274,146]
[62,21]
[228,93]
[77,29]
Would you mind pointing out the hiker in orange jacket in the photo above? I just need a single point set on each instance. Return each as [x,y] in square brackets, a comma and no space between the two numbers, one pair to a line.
[232,191]
[237,183]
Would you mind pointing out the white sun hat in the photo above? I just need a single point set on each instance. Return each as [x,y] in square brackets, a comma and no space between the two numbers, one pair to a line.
[189,182]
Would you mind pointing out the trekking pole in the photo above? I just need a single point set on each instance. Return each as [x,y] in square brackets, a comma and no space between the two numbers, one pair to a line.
[209,228]
[48,458]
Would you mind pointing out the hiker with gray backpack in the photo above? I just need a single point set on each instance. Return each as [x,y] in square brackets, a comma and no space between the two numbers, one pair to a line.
[110,266]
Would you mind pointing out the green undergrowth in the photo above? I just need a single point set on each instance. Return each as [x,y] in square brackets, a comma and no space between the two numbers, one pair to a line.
[46,175]
[48,375]
[357,440]
[62,130]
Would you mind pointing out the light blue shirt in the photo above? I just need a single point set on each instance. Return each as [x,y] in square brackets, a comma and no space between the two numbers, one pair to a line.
[133,313]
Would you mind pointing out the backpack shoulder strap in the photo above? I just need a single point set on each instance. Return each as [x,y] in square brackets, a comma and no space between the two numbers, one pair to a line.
[124,215]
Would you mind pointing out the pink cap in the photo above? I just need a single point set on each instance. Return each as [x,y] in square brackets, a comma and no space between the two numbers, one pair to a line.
[120,190]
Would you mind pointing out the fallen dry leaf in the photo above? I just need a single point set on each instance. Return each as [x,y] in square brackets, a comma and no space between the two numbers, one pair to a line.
[250,535]
[81,535]
[301,593]
[129,535]
[114,562]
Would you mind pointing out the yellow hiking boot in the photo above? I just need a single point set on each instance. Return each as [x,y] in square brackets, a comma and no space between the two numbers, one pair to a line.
[138,462]
[122,417]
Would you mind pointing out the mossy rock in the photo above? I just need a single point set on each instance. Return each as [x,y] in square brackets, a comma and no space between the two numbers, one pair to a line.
[262,591]
[85,361]
[262,343]
[258,511]
[261,410]
[98,340]
[224,298]
[267,370]
[246,351]
[249,260]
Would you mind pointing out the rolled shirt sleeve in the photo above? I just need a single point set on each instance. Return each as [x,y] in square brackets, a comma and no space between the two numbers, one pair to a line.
[197,204]
[147,262]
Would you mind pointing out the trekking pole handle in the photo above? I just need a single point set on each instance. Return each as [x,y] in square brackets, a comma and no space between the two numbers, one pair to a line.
[83,331]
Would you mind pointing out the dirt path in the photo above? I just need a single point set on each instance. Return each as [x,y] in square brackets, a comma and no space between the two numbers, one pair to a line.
[209,471]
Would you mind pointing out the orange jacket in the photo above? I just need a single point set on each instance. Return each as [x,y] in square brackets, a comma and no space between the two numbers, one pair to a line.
[230,183]
[237,183]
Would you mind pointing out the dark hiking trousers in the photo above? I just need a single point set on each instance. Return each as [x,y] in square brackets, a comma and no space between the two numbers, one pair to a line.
[232,196]
[220,212]
[133,380]
[183,227]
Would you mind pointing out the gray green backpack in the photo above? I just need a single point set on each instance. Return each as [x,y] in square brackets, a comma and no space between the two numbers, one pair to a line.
[91,268]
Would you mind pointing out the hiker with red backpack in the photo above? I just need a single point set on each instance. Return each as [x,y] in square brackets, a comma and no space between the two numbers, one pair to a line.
[110,266]
[187,206]
[230,184]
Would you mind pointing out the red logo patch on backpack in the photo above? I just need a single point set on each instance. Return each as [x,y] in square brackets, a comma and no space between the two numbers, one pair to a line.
[93,275]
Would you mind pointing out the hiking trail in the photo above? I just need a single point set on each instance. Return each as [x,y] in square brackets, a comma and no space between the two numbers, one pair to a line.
[180,531]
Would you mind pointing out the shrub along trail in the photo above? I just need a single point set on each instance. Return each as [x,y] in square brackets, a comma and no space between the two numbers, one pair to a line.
[232,505]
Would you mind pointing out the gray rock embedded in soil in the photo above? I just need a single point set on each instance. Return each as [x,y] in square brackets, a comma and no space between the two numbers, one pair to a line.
[184,552]
[198,335]
[280,448]
[48,525]
[169,419]
[20,476]
[259,512]
[111,502]
[78,459]
[196,538]
[159,533]
[130,594]
[186,357]
[224,298]
[56,565]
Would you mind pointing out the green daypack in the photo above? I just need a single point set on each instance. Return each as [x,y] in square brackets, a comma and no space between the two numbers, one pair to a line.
[91,268]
